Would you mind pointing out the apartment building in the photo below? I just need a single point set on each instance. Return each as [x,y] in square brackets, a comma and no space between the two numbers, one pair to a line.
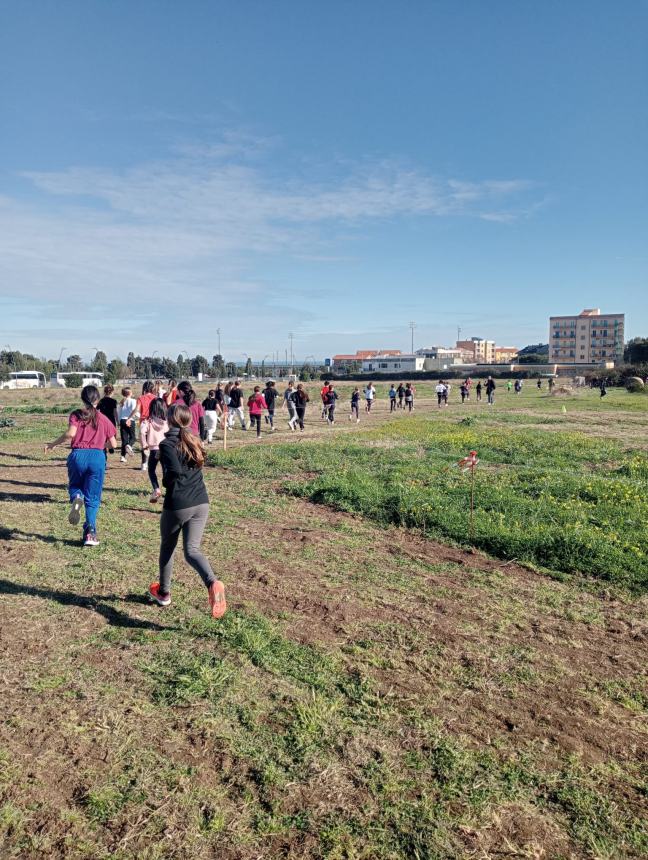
[481,351]
[506,354]
[589,338]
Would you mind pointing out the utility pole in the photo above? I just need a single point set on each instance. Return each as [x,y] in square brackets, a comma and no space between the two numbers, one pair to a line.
[412,326]
[458,333]
[218,335]
[292,357]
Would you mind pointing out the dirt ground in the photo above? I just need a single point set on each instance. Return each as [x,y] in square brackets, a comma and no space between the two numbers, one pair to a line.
[501,656]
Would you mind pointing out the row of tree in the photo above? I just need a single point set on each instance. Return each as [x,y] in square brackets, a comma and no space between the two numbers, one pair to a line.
[149,366]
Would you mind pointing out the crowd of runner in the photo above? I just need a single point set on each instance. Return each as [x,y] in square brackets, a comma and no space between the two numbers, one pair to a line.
[174,426]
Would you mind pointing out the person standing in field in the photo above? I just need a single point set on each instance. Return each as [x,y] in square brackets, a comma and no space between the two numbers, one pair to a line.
[270,397]
[141,411]
[126,431]
[256,404]
[518,386]
[440,391]
[401,394]
[301,398]
[289,403]
[153,433]
[603,388]
[490,390]
[355,405]
[392,398]
[211,407]
[464,392]
[186,509]
[478,389]
[509,386]
[369,394]
[551,384]
[539,384]
[331,400]
[88,433]
[236,406]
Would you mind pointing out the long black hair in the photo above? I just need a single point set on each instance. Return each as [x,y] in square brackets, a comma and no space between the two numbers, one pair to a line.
[148,387]
[186,390]
[158,409]
[90,398]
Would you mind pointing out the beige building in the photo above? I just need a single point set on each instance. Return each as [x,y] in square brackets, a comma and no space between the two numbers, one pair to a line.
[589,338]
[505,354]
[481,351]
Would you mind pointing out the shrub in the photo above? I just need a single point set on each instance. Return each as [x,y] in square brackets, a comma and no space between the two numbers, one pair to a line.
[75,380]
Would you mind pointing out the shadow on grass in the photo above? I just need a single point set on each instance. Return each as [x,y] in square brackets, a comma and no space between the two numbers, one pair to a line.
[19,456]
[47,486]
[94,604]
[25,497]
[25,537]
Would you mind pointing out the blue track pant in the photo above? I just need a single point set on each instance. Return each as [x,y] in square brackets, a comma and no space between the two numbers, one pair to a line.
[86,471]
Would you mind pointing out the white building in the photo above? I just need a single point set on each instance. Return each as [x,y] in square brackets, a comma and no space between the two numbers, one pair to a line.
[393,363]
[440,357]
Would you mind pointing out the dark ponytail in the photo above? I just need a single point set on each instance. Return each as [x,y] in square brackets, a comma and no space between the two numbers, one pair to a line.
[90,398]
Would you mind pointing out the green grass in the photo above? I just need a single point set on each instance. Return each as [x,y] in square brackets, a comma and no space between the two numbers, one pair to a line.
[560,500]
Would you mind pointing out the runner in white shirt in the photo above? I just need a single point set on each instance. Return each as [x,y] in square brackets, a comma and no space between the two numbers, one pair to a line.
[369,393]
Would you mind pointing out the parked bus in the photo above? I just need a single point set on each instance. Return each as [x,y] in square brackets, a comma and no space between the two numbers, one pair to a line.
[25,379]
[88,377]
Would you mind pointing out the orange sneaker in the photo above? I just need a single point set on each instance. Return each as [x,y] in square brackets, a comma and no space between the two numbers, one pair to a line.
[217,599]
[158,596]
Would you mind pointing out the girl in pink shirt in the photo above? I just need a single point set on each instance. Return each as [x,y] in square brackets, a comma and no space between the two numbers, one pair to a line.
[88,432]
[256,405]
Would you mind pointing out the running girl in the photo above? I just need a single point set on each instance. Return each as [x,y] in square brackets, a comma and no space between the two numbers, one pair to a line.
[172,394]
[393,394]
[88,432]
[369,393]
[126,432]
[211,407]
[142,409]
[186,509]
[152,435]
[270,396]
[409,396]
[331,400]
[289,403]
[108,405]
[188,395]
[355,405]
[300,398]
[256,404]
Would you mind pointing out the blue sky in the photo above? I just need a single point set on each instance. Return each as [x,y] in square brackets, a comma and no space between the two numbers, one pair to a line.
[332,169]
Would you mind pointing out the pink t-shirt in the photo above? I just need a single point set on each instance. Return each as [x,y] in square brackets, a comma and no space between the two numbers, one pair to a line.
[88,436]
[197,412]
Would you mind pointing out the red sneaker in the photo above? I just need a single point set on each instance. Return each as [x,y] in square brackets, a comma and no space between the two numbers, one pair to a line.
[158,596]
[217,599]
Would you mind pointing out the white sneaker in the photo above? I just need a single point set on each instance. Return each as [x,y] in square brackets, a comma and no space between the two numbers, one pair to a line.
[122,459]
[144,465]
[129,450]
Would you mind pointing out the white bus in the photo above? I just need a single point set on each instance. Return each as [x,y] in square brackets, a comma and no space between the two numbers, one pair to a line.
[88,377]
[24,379]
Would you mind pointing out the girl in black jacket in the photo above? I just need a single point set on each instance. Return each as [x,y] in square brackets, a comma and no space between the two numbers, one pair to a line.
[186,508]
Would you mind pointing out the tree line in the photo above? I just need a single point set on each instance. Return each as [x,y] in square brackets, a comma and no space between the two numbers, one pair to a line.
[149,366]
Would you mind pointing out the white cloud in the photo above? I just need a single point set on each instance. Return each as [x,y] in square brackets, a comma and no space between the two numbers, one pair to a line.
[197,225]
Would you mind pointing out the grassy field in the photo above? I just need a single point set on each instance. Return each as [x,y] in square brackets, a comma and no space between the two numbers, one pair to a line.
[387,684]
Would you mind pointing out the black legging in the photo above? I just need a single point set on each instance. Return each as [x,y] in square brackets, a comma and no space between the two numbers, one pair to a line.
[153,460]
[127,434]
[301,412]
[255,421]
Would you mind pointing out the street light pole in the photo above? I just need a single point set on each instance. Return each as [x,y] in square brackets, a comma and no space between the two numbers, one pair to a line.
[412,326]
[219,348]
[291,336]
[61,356]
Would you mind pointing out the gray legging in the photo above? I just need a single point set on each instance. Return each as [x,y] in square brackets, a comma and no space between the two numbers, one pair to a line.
[192,522]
